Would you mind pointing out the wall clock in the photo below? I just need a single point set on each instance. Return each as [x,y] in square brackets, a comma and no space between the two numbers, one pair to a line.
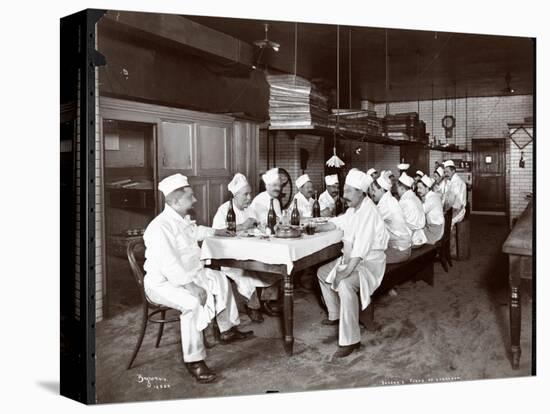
[448,122]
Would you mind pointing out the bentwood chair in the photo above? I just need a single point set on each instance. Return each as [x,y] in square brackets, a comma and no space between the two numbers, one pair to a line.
[136,258]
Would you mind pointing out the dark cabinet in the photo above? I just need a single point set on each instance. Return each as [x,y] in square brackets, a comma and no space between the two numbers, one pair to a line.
[131,199]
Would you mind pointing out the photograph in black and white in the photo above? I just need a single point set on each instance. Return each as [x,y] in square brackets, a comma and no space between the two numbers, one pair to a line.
[290,206]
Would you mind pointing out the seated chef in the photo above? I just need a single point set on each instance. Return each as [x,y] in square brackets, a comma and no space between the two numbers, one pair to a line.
[455,194]
[402,168]
[176,277]
[373,173]
[261,203]
[418,176]
[304,196]
[412,209]
[327,199]
[433,209]
[249,281]
[361,267]
[399,245]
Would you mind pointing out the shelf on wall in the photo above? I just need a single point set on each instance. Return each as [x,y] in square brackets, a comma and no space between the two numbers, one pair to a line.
[446,149]
[328,131]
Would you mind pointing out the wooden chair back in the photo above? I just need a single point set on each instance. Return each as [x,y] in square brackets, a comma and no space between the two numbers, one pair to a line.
[136,258]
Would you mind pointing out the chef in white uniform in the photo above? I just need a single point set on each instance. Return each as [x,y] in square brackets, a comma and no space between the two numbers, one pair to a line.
[373,173]
[433,209]
[260,205]
[360,268]
[249,281]
[327,198]
[412,209]
[399,245]
[440,185]
[455,193]
[304,196]
[401,168]
[418,176]
[176,277]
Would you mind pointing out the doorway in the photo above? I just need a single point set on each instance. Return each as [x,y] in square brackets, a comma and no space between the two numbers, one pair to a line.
[489,169]
[129,162]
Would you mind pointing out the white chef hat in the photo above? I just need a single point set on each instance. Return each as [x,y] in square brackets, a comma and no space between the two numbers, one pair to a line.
[429,182]
[271,176]
[301,180]
[420,173]
[358,179]
[238,182]
[173,182]
[331,179]
[406,180]
[449,163]
[403,166]
[386,173]
[440,171]
[384,182]
[371,171]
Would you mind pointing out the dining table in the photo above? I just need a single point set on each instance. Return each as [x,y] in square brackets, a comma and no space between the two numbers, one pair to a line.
[283,257]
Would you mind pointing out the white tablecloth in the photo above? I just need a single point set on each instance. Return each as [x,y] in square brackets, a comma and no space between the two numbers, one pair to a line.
[272,251]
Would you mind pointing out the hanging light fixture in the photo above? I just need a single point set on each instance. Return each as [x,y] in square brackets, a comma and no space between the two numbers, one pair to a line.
[335,161]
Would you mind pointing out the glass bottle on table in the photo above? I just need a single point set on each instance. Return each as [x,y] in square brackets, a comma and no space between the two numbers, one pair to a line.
[230,218]
[316,210]
[271,217]
[295,216]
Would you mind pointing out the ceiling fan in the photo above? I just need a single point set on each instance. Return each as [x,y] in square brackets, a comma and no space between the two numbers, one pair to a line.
[265,43]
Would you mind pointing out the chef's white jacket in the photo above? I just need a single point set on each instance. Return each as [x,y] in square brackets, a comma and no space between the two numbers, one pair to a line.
[172,260]
[260,207]
[456,197]
[305,206]
[365,236]
[391,213]
[220,217]
[414,216]
[435,219]
[326,201]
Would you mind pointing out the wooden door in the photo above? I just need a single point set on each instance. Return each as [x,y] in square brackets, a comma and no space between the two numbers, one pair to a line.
[489,191]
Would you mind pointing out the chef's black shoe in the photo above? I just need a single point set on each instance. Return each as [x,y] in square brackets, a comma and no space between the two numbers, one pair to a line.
[344,351]
[255,315]
[200,372]
[271,308]
[233,335]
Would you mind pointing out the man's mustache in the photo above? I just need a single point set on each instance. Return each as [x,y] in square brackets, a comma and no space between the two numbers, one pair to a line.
[347,200]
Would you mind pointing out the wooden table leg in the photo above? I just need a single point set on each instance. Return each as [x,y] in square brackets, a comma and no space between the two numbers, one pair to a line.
[515,308]
[288,312]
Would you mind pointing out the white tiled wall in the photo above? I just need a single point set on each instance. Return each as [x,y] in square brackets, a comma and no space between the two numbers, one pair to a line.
[288,156]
